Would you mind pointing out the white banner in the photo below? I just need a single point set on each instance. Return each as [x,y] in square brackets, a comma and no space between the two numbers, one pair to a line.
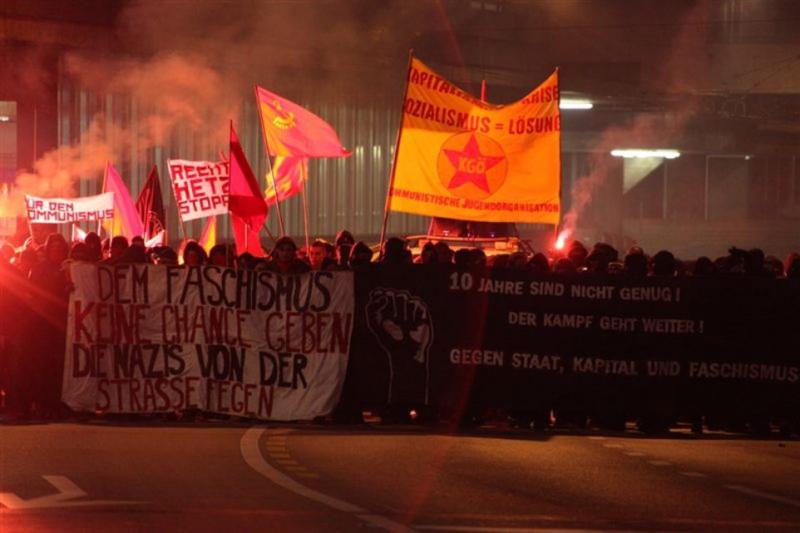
[149,338]
[200,187]
[67,210]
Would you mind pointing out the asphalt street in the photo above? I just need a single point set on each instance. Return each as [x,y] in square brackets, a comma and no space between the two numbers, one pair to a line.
[206,476]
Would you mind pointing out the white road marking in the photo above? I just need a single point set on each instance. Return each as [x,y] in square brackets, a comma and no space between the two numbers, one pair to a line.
[67,491]
[252,456]
[764,495]
[692,474]
[484,529]
[613,446]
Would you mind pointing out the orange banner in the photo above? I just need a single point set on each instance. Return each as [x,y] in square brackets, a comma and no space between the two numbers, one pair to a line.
[466,159]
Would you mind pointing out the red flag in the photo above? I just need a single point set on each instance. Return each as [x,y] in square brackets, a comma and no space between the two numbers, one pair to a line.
[292,130]
[208,239]
[150,206]
[126,219]
[247,240]
[290,174]
[245,200]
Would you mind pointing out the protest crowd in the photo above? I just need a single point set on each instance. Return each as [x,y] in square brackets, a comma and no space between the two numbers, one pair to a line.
[448,331]
[35,288]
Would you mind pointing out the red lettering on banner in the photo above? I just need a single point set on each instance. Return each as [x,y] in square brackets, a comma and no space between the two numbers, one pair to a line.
[224,396]
[525,126]
[339,333]
[433,82]
[79,317]
[305,332]
[265,397]
[146,395]
[542,95]
[217,325]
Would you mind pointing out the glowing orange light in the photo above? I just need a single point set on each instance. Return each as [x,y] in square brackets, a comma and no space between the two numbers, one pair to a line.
[562,240]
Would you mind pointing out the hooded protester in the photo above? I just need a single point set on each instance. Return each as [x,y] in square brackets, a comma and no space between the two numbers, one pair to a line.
[284,258]
[50,288]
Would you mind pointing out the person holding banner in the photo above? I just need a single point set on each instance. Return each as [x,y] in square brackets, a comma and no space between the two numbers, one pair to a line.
[284,258]
[95,246]
[194,255]
[50,289]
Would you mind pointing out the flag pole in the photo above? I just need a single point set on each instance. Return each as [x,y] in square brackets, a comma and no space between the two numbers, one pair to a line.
[30,229]
[560,177]
[269,163]
[305,214]
[114,219]
[271,236]
[105,177]
[394,160]
[182,223]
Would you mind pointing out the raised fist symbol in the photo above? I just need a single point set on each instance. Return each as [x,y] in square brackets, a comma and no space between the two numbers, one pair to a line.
[403,327]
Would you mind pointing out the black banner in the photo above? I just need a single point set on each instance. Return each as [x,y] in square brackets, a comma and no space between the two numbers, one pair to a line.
[443,337]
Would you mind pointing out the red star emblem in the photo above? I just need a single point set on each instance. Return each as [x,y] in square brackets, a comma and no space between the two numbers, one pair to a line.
[471,165]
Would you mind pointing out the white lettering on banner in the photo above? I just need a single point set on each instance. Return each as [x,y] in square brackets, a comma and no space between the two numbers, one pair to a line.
[592,292]
[565,320]
[537,361]
[147,338]
[497,286]
[63,210]
[520,318]
[200,187]
[467,356]
[736,370]
[599,365]
[546,288]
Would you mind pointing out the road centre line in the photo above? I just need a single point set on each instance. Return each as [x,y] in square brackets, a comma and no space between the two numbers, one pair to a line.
[489,529]
[764,495]
[249,446]
[281,455]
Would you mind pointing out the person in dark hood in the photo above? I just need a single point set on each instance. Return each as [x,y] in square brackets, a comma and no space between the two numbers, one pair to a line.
[49,293]
[360,255]
[194,254]
[394,252]
[95,246]
[284,258]
[344,242]
[635,265]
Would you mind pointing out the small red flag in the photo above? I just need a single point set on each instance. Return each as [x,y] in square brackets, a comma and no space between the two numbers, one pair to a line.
[289,173]
[292,130]
[245,200]
[150,206]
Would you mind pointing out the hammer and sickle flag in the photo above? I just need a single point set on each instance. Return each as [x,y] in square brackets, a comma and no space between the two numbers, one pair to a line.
[462,158]
[292,130]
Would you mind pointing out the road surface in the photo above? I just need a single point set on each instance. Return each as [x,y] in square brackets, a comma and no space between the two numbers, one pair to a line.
[207,476]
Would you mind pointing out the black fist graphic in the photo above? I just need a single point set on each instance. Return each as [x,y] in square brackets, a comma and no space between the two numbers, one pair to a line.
[403,327]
